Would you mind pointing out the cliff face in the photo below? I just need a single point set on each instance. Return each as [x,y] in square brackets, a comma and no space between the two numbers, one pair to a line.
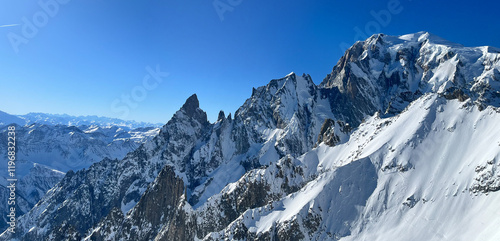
[159,207]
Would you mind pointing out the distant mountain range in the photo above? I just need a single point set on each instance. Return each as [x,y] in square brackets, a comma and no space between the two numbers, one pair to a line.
[56,119]
[399,142]
[47,149]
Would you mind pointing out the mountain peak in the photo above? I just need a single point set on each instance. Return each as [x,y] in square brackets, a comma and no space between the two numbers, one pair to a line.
[191,109]
[222,116]
[191,104]
[418,37]
[427,36]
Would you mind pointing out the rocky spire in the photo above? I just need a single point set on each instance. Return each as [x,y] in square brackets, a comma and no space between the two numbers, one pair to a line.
[222,116]
[191,105]
[192,109]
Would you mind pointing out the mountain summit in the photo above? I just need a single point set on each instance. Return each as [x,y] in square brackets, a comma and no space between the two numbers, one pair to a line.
[397,143]
[191,104]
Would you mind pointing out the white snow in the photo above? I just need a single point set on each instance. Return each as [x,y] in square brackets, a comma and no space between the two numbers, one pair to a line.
[429,153]
[358,72]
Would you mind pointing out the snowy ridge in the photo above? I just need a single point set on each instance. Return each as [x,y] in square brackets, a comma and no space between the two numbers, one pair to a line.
[419,177]
[65,148]
[57,119]
[6,119]
[386,73]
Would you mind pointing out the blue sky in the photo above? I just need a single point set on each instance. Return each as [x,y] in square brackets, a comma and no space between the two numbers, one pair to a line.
[91,57]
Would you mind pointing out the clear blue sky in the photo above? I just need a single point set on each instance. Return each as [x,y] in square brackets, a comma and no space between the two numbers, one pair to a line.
[89,53]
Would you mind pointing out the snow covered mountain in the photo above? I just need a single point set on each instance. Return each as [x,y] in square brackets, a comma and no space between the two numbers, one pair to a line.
[399,142]
[56,119]
[6,118]
[46,152]
[34,180]
[386,73]
[67,148]
[429,173]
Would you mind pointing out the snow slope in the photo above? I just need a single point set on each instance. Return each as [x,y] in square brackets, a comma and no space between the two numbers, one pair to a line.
[444,145]
[410,177]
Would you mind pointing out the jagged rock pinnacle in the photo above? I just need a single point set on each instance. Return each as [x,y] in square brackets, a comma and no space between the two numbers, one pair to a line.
[191,105]
[192,109]
[222,116]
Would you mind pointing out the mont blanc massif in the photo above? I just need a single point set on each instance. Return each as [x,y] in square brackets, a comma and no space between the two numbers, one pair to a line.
[399,142]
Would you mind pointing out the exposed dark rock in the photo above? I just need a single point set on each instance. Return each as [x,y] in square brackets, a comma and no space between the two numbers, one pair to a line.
[411,201]
[487,178]
[221,116]
[159,207]
[192,109]
[289,231]
[328,133]
[191,104]
[454,93]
